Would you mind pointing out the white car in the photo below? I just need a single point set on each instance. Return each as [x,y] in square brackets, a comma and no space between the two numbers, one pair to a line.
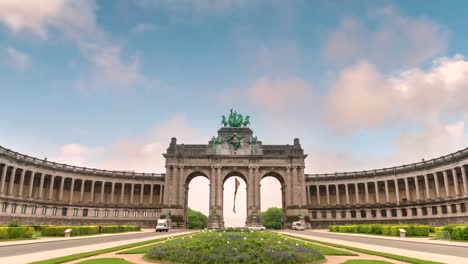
[256,228]
[297,226]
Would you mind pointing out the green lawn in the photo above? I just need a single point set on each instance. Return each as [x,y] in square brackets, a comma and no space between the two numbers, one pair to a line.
[105,261]
[365,261]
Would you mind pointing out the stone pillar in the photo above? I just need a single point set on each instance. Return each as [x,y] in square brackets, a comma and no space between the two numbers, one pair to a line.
[446,184]
[182,191]
[72,189]
[327,188]
[318,194]
[132,189]
[82,190]
[122,192]
[407,191]
[356,190]
[51,187]
[2,180]
[366,190]
[302,186]
[291,185]
[103,186]
[20,191]
[151,194]
[377,198]
[465,181]
[257,191]
[397,191]
[91,198]
[213,188]
[337,192]
[387,194]
[41,185]
[436,183]
[426,183]
[455,182]
[161,192]
[12,181]
[112,192]
[308,194]
[416,184]
[347,193]
[219,190]
[167,181]
[62,183]
[142,191]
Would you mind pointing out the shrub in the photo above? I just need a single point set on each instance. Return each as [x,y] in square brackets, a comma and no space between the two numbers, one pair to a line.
[457,232]
[388,230]
[16,232]
[3,232]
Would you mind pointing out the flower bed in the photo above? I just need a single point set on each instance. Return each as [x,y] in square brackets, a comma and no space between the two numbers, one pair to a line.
[239,247]
[382,229]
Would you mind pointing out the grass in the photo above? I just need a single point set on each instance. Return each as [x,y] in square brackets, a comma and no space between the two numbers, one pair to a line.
[100,251]
[15,239]
[365,261]
[105,261]
[370,252]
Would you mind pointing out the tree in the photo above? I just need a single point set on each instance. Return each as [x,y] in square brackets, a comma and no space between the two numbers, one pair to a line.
[271,218]
[197,220]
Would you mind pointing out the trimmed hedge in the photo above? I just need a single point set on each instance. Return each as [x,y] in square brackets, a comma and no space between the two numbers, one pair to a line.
[457,232]
[87,230]
[16,232]
[382,229]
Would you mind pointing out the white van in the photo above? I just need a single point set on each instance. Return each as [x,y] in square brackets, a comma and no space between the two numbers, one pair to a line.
[163,225]
[297,226]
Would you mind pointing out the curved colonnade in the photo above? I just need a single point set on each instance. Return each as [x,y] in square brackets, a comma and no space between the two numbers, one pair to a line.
[433,192]
[39,191]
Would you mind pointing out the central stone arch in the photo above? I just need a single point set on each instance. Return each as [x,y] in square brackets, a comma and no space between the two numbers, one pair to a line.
[234,151]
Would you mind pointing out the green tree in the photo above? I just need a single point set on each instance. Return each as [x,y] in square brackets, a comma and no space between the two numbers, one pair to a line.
[197,220]
[271,218]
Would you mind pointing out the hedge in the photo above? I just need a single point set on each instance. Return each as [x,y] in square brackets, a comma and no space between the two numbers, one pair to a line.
[87,230]
[16,232]
[382,229]
[457,232]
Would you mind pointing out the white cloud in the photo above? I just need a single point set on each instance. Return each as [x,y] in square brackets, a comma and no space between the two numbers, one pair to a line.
[144,27]
[392,40]
[76,21]
[199,6]
[362,98]
[18,58]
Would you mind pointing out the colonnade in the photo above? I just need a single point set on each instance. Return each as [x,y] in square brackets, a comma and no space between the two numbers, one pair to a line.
[438,185]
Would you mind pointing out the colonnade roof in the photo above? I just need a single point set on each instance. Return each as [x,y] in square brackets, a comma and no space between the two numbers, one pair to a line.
[425,164]
[70,168]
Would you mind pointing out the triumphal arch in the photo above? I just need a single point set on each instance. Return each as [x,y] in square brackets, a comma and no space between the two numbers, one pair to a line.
[234,151]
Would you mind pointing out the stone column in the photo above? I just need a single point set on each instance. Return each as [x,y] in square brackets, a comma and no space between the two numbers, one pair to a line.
[167,181]
[12,181]
[436,183]
[347,193]
[151,194]
[219,190]
[366,190]
[408,197]
[356,190]
[302,186]
[122,192]
[103,186]
[416,184]
[397,191]
[131,193]
[91,199]
[20,191]
[41,185]
[377,198]
[465,181]
[181,194]
[291,185]
[318,194]
[337,192]
[51,187]
[142,191]
[112,192]
[72,189]
[308,194]
[446,184]
[426,183]
[327,188]
[82,187]
[257,191]
[455,182]
[387,194]
[2,181]
[213,188]
[161,192]
[62,183]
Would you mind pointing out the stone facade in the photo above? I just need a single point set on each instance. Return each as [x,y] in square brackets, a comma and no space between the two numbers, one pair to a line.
[39,191]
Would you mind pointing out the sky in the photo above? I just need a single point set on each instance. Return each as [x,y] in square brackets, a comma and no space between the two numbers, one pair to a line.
[106,84]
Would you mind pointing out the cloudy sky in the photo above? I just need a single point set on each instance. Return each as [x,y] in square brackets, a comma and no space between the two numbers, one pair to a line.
[106,84]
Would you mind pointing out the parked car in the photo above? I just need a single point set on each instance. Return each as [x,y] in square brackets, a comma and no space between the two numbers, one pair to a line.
[297,226]
[256,228]
[163,225]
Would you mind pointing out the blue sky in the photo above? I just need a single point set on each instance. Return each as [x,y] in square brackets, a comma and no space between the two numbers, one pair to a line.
[363,84]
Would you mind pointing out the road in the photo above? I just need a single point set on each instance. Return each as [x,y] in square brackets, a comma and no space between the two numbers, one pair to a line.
[450,250]
[17,250]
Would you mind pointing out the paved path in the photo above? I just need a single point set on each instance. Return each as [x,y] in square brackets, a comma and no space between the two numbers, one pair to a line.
[29,252]
[445,252]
